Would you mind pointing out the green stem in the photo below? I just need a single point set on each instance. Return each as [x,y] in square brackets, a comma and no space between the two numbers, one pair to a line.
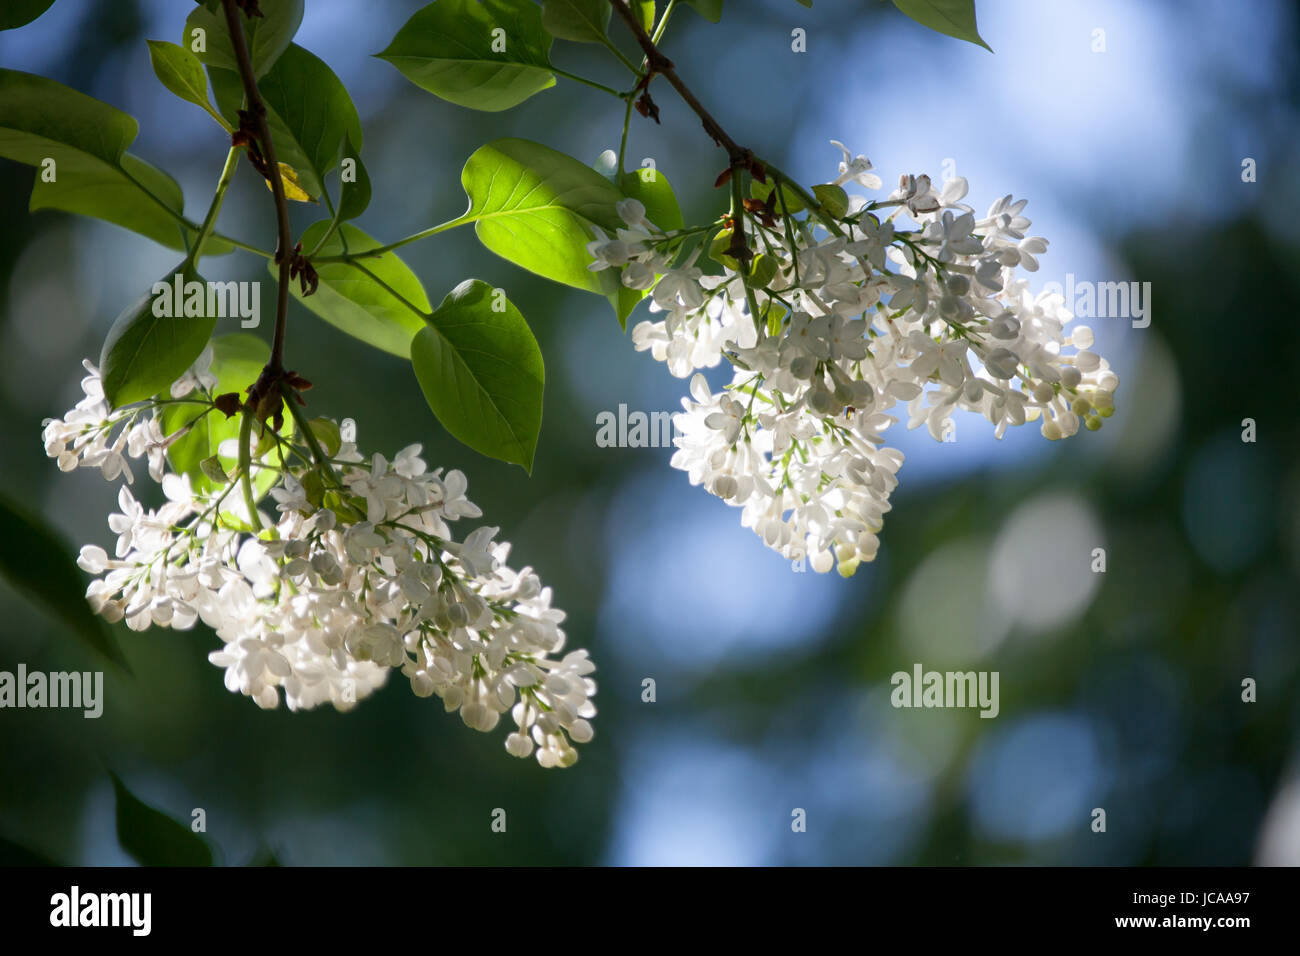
[738,225]
[586,82]
[609,45]
[245,468]
[380,250]
[304,426]
[214,208]
[188,224]
[622,144]
[663,21]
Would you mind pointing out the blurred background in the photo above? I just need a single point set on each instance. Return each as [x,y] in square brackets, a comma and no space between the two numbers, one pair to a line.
[1119,690]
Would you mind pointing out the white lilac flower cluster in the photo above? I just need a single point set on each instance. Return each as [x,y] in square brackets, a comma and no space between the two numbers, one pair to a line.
[327,599]
[847,315]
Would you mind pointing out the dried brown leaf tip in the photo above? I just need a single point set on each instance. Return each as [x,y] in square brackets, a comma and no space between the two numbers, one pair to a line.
[228,403]
[301,269]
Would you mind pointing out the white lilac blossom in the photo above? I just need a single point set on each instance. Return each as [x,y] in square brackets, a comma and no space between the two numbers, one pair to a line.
[357,573]
[860,318]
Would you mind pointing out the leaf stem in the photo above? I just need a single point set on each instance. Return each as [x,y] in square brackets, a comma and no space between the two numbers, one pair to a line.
[380,250]
[304,426]
[214,208]
[586,82]
[663,21]
[245,467]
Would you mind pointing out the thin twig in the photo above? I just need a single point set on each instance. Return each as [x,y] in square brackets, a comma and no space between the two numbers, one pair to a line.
[284,244]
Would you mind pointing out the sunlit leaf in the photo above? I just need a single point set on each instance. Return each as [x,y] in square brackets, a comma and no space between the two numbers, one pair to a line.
[377,300]
[536,207]
[181,72]
[481,372]
[485,54]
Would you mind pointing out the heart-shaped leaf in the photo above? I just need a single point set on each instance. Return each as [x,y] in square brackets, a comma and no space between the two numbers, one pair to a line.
[481,372]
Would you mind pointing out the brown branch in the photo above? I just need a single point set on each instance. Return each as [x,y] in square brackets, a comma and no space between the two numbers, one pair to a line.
[738,157]
[658,63]
[264,391]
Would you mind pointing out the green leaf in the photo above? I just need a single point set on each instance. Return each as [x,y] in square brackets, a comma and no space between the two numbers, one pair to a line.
[92,173]
[237,360]
[536,207]
[624,300]
[228,91]
[267,36]
[15,854]
[834,200]
[489,55]
[151,837]
[954,18]
[377,300]
[761,191]
[17,13]
[645,11]
[711,10]
[181,72]
[354,193]
[481,372]
[327,433]
[310,115]
[584,21]
[661,209]
[37,562]
[656,194]
[145,352]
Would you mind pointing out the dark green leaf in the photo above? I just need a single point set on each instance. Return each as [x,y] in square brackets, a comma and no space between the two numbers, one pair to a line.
[17,13]
[154,839]
[145,351]
[228,91]
[377,300]
[711,10]
[310,114]
[584,21]
[354,184]
[535,207]
[481,372]
[267,36]
[15,854]
[92,173]
[36,560]
[955,18]
[489,55]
